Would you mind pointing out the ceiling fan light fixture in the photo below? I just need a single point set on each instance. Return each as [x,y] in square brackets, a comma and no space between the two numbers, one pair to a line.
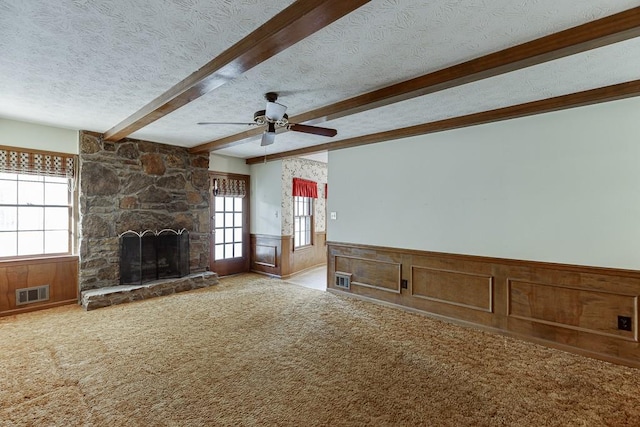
[275,111]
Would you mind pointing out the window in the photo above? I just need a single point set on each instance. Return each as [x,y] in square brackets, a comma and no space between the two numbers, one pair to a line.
[302,221]
[228,221]
[36,214]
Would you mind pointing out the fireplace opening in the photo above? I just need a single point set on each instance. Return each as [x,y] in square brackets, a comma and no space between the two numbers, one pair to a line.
[153,255]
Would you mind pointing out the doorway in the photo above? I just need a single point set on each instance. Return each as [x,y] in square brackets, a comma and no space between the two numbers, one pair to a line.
[229,202]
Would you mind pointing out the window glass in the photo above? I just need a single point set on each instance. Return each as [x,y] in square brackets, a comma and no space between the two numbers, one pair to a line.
[30,242]
[30,178]
[8,243]
[35,215]
[30,218]
[56,241]
[219,204]
[228,219]
[56,194]
[30,193]
[303,215]
[8,192]
[57,179]
[219,252]
[56,218]
[8,218]
[228,250]
[228,202]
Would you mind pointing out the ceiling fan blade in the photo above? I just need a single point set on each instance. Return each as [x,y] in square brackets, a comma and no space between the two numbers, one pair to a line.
[315,130]
[268,138]
[275,111]
[228,123]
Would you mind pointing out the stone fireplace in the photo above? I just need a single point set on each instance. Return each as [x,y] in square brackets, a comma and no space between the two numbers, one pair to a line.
[138,185]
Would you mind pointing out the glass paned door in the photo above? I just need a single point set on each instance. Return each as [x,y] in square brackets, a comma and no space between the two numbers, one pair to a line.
[229,227]
[228,222]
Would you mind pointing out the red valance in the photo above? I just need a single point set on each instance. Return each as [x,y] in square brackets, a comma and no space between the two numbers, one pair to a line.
[305,188]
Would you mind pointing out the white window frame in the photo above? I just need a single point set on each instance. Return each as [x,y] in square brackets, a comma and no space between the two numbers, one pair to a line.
[303,215]
[23,204]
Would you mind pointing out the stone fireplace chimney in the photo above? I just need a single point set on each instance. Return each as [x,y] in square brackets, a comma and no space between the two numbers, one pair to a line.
[138,185]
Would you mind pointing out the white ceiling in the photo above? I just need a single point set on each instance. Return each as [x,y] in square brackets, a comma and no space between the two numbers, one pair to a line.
[84,64]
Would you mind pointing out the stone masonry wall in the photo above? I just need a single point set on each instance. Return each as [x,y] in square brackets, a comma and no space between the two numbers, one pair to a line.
[138,185]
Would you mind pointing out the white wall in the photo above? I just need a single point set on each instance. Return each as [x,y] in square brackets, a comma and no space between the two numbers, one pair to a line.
[227,164]
[29,135]
[559,187]
[266,198]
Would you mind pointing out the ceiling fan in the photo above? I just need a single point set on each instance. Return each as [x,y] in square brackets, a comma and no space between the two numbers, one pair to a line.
[274,118]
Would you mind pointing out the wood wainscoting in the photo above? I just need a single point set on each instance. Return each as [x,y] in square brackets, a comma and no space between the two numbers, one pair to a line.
[60,273]
[276,256]
[587,310]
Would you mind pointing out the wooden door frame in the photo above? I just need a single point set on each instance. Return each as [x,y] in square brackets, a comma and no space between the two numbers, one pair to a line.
[245,264]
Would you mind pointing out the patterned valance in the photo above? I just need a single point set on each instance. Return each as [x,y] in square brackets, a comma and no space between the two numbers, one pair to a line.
[229,187]
[24,161]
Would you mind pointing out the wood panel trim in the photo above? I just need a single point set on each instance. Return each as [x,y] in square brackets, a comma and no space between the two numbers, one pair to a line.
[380,288]
[609,271]
[275,256]
[465,323]
[267,241]
[488,309]
[60,273]
[35,307]
[37,260]
[580,317]
[633,338]
[601,32]
[296,22]
[268,237]
[579,99]
[35,151]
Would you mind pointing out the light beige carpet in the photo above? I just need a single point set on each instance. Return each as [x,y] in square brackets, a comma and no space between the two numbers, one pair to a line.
[256,351]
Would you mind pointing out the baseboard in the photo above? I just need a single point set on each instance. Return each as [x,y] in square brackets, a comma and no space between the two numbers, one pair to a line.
[462,323]
[573,308]
[38,307]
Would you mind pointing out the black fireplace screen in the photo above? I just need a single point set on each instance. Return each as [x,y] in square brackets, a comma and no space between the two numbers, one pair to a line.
[153,255]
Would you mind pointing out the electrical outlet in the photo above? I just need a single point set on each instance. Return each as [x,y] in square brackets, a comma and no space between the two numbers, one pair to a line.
[334,215]
[624,323]
[404,284]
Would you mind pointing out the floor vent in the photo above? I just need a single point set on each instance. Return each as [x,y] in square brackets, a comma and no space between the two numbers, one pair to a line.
[343,280]
[29,295]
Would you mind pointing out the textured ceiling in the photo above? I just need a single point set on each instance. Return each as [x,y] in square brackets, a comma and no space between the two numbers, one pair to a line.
[88,65]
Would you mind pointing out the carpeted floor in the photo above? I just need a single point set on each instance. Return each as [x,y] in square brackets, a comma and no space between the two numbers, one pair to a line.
[257,351]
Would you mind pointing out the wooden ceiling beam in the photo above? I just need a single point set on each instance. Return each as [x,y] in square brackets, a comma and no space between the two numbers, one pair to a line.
[296,22]
[579,99]
[602,32]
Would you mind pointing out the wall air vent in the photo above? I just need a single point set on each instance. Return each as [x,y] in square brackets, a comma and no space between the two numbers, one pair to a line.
[29,295]
[343,280]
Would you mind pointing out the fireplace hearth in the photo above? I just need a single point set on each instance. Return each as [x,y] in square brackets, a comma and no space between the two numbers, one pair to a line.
[153,255]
